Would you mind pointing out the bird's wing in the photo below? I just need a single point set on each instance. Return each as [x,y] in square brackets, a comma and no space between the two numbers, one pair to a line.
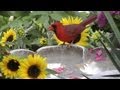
[73,30]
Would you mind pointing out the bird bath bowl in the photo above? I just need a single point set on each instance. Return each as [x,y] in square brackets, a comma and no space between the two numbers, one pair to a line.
[97,63]
[74,60]
[67,57]
[21,52]
[59,56]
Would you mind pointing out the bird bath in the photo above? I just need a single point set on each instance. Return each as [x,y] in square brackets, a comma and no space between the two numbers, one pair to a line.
[68,57]
[97,63]
[73,61]
[21,52]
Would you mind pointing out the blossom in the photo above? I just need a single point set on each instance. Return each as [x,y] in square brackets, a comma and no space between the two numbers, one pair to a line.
[99,55]
[33,67]
[101,19]
[8,36]
[9,66]
[59,70]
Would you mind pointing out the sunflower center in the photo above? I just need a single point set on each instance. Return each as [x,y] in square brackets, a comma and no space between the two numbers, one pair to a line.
[10,38]
[13,65]
[33,71]
[44,41]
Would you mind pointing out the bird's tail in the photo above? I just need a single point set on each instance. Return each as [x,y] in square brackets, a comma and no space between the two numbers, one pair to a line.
[89,20]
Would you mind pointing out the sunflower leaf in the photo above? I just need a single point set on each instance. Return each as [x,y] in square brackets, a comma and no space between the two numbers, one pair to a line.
[50,71]
[1,57]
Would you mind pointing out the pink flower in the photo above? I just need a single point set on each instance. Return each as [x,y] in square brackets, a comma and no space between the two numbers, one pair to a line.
[99,55]
[59,70]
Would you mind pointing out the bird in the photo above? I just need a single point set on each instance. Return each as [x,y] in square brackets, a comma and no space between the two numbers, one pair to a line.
[70,33]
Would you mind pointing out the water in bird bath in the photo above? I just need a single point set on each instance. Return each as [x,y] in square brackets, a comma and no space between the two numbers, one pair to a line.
[62,59]
[72,62]
[97,62]
[68,57]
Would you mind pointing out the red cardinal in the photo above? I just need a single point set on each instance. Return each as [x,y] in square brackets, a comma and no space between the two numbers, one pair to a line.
[70,33]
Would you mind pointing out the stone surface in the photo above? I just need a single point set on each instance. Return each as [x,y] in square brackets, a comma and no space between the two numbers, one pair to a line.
[92,66]
[21,52]
[63,54]
[69,57]
[75,60]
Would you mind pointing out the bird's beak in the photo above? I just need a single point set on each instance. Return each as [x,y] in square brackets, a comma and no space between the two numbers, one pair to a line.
[50,28]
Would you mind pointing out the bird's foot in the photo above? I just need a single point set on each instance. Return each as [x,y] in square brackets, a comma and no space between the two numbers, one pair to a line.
[69,45]
[66,45]
[62,45]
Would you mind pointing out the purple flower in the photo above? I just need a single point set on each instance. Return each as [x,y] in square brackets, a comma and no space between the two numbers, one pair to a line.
[115,12]
[101,19]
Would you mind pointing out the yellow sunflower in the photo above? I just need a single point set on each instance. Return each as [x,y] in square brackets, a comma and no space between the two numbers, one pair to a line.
[71,20]
[9,66]
[8,36]
[83,36]
[33,67]
[43,41]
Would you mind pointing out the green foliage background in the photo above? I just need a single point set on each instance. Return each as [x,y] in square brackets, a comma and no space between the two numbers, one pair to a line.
[32,25]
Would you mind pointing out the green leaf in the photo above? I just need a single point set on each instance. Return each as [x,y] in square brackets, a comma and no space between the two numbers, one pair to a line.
[50,35]
[112,57]
[56,16]
[117,17]
[50,71]
[62,13]
[114,51]
[83,15]
[3,20]
[113,25]
[44,20]
[14,13]
[36,41]
[1,57]
[34,13]
[15,22]
[26,24]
